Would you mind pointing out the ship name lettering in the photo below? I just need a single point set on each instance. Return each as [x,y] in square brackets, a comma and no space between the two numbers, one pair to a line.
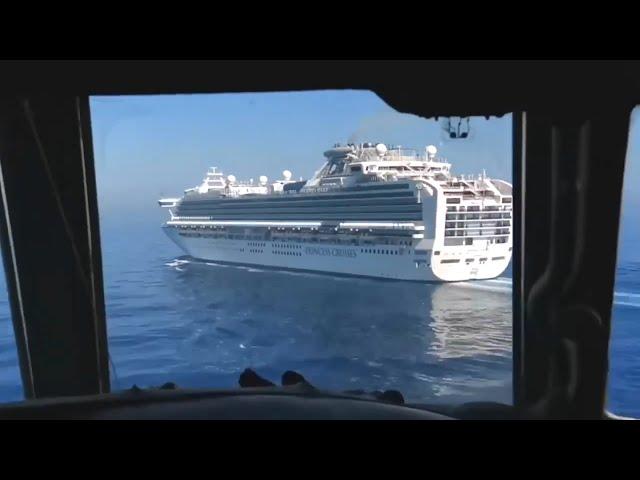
[328,251]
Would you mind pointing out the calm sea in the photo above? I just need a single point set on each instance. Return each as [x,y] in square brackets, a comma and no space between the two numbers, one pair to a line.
[200,325]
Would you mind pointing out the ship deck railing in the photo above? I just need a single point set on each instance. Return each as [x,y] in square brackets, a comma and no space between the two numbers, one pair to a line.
[200,221]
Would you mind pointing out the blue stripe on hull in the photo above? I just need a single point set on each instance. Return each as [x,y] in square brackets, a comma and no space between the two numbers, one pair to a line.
[291,198]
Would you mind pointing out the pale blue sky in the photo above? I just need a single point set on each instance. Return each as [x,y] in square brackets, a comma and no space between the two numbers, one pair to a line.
[147,147]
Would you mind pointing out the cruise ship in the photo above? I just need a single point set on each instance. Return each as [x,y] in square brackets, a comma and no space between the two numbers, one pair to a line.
[371,210]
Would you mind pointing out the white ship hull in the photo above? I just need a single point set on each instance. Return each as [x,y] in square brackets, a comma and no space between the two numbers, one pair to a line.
[376,261]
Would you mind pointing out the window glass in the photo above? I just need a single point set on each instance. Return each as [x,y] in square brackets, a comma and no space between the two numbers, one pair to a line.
[195,304]
[624,373]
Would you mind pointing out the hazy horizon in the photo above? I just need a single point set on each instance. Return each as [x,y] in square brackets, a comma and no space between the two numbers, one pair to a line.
[148,147]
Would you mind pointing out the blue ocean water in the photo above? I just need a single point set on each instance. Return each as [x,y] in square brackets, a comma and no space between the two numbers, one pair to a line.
[200,325]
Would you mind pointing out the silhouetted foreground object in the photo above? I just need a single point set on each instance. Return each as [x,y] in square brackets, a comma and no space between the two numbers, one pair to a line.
[249,378]
[391,396]
[293,378]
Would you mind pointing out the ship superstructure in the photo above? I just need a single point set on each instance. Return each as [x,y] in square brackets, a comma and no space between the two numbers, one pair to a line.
[368,211]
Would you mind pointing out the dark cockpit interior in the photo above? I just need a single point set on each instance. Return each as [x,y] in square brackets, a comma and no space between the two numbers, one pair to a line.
[570,134]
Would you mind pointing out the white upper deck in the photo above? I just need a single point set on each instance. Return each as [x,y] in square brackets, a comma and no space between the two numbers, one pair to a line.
[355,164]
[366,162]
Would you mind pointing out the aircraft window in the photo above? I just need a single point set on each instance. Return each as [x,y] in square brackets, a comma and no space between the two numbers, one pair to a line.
[195,311]
[623,382]
[10,383]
